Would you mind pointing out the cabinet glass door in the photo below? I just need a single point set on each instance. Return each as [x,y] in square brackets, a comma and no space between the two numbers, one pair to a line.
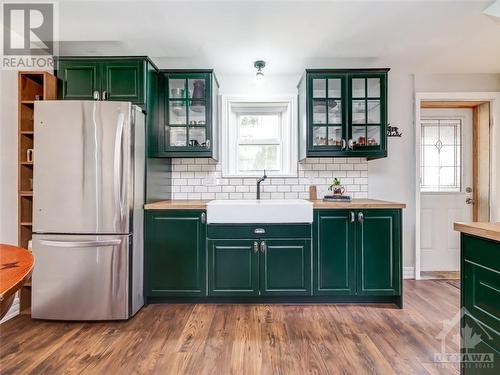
[187,112]
[327,112]
[366,112]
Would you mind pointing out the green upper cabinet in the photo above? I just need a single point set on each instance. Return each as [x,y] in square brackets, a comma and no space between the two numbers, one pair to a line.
[378,239]
[174,253]
[233,267]
[343,113]
[334,256]
[189,123]
[285,267]
[105,78]
[79,79]
[123,81]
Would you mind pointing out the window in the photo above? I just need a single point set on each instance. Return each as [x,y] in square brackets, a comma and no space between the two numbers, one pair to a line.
[440,156]
[258,136]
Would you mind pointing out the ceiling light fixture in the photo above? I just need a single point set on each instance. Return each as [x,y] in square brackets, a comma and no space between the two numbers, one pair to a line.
[493,9]
[259,76]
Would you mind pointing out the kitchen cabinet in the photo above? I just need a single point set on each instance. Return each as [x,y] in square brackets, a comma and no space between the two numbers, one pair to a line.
[259,261]
[105,78]
[189,115]
[480,302]
[233,267]
[334,256]
[343,112]
[357,252]
[175,247]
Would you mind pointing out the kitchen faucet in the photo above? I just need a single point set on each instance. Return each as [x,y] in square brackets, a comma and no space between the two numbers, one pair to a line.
[258,184]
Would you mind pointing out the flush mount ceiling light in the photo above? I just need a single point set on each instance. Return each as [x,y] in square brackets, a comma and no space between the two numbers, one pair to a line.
[259,65]
[493,9]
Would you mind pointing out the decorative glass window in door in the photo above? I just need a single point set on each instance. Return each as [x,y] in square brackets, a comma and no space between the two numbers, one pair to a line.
[440,155]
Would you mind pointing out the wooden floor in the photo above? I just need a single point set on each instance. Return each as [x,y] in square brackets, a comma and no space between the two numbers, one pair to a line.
[243,339]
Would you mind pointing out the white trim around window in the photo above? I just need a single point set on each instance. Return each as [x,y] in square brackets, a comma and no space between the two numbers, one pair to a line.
[285,140]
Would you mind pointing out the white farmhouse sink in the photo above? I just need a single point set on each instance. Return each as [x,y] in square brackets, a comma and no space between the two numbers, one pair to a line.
[260,211]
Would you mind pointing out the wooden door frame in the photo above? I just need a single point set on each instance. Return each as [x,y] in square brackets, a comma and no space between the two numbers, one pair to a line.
[477,97]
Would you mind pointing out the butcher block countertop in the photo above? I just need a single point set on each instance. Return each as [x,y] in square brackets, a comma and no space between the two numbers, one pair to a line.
[486,230]
[319,204]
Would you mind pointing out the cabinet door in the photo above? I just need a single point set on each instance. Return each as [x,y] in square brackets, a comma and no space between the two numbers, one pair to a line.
[367,124]
[188,114]
[327,112]
[334,265]
[124,80]
[79,79]
[378,247]
[175,253]
[233,267]
[285,267]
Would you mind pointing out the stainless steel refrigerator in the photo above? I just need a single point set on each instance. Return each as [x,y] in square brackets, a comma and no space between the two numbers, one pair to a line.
[88,196]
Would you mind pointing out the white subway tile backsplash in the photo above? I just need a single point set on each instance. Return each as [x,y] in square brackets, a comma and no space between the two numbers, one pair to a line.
[202,179]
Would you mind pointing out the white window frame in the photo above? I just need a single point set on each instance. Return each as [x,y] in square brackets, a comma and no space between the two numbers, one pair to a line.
[233,107]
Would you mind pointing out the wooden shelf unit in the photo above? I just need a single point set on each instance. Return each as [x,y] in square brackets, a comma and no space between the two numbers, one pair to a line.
[32,86]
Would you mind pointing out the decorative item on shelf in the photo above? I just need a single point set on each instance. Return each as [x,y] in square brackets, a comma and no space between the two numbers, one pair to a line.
[197,104]
[177,93]
[29,155]
[372,142]
[393,131]
[361,141]
[338,193]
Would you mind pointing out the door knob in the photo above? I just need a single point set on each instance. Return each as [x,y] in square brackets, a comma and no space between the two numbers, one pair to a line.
[469,201]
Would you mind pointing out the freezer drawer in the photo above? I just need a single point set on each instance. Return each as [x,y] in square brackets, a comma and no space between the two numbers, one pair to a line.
[81,277]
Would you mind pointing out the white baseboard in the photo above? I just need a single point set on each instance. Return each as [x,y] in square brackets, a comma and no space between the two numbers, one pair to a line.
[408,272]
[13,311]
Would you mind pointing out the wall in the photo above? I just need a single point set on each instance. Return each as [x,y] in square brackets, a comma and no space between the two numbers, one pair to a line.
[202,179]
[8,157]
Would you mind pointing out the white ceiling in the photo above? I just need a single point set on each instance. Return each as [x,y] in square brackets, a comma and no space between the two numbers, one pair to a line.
[428,36]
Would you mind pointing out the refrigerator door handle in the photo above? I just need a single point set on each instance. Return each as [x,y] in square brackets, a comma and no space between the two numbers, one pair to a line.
[81,243]
[118,172]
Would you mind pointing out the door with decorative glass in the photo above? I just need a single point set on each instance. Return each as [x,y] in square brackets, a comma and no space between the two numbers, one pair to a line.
[188,114]
[445,185]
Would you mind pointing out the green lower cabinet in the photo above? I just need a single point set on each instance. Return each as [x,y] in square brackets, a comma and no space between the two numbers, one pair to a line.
[233,267]
[480,302]
[175,247]
[378,238]
[334,266]
[285,267]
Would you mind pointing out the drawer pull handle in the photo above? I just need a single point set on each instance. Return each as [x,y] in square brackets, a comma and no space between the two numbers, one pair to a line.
[259,231]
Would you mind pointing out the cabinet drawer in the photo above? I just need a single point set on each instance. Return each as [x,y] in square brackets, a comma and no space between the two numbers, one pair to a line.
[256,231]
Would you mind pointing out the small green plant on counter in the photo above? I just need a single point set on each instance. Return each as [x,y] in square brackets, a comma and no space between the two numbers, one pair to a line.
[335,184]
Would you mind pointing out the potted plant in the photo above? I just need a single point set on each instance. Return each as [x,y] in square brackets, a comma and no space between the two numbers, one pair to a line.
[336,188]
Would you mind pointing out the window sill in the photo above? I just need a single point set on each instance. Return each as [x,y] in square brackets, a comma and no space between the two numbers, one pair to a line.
[229,175]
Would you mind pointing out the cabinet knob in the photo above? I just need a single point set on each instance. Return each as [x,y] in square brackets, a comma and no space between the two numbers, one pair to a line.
[361,217]
[255,247]
[353,219]
[96,95]
[263,246]
[203,218]
[105,95]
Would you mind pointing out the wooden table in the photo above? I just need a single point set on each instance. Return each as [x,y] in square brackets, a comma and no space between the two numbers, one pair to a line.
[16,265]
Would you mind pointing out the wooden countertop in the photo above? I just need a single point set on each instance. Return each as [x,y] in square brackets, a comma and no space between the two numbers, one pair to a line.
[16,265]
[202,204]
[358,203]
[486,230]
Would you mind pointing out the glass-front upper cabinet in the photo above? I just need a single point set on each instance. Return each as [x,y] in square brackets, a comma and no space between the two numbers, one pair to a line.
[190,111]
[345,113]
